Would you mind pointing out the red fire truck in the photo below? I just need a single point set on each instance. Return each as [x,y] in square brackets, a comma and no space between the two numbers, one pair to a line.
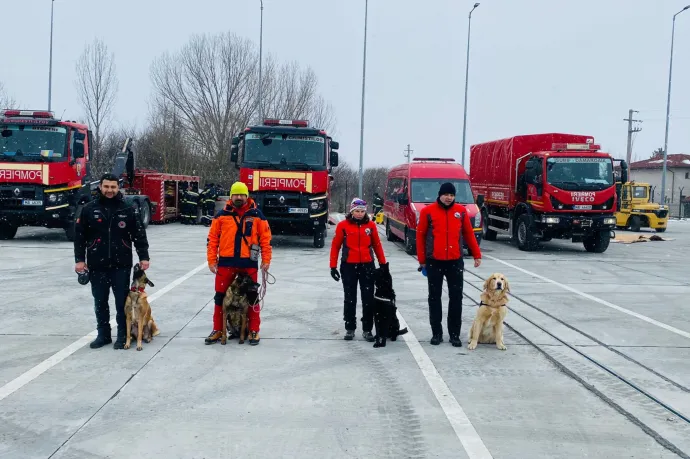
[286,164]
[45,172]
[544,186]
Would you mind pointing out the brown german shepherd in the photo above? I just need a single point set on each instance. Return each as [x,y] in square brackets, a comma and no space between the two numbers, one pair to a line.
[140,323]
[239,297]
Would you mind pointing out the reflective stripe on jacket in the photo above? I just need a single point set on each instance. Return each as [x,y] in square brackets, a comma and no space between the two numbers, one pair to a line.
[359,240]
[440,232]
[226,246]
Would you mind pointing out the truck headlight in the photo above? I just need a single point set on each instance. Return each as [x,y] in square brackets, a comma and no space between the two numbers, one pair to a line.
[477,220]
[610,221]
[314,205]
[552,220]
[52,198]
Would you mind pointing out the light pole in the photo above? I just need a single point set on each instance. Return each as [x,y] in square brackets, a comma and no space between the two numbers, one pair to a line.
[361,130]
[261,44]
[467,73]
[668,109]
[50,66]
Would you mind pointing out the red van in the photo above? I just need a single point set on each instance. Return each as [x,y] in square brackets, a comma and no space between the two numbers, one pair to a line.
[413,186]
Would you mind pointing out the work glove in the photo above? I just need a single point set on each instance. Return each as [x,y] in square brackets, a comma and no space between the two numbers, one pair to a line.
[385,267]
[335,274]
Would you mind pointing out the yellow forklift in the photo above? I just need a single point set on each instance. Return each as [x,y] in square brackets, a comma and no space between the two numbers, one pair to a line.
[636,210]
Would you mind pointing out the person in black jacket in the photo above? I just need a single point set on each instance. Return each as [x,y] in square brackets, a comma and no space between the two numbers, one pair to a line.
[105,229]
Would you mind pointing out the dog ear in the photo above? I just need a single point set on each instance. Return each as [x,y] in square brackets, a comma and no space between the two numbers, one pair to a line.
[505,280]
[486,283]
[151,283]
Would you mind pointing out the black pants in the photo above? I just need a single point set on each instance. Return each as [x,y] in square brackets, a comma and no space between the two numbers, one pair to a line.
[452,270]
[102,282]
[351,274]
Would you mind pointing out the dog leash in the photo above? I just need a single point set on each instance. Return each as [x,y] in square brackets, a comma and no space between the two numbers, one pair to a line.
[262,290]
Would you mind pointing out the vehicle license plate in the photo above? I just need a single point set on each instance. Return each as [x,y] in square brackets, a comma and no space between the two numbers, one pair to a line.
[32,202]
[298,210]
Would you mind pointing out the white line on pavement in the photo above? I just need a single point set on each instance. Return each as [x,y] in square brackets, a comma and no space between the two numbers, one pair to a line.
[468,436]
[25,378]
[597,300]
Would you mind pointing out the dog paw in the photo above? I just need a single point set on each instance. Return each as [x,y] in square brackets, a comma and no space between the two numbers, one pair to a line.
[240,341]
[472,346]
[379,345]
[139,348]
[127,346]
[147,340]
[223,342]
[501,346]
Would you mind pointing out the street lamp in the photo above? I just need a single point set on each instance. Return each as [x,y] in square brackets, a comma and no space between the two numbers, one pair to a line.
[467,71]
[50,67]
[261,43]
[668,109]
[361,130]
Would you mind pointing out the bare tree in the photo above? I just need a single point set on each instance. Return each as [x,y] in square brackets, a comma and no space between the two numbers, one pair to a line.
[97,86]
[374,181]
[5,100]
[210,85]
[292,93]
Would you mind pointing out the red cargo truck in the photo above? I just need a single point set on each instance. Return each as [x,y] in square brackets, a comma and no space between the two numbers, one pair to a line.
[543,186]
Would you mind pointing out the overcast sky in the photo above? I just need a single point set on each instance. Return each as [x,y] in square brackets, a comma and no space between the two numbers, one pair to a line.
[572,66]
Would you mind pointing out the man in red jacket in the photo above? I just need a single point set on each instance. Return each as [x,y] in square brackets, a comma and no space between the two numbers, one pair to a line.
[440,231]
[359,239]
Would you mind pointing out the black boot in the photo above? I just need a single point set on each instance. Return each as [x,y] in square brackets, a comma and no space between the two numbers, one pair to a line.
[349,335]
[455,341]
[437,339]
[101,340]
[121,338]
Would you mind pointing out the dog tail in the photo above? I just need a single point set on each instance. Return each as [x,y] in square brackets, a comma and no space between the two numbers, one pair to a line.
[402,332]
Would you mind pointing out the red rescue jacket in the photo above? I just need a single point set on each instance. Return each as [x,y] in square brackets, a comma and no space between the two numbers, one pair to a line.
[359,241]
[440,232]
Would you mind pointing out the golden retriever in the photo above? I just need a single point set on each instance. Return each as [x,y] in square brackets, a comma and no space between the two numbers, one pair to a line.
[487,327]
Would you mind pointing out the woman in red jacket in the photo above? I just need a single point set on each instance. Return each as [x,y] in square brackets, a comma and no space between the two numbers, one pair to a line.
[359,239]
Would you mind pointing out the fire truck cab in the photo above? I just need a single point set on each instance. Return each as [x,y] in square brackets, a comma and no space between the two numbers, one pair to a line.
[286,165]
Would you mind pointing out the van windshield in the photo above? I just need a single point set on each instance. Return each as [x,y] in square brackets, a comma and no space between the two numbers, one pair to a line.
[426,190]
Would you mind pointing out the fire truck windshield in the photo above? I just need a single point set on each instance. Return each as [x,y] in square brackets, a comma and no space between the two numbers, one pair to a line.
[300,151]
[580,173]
[30,144]
[426,190]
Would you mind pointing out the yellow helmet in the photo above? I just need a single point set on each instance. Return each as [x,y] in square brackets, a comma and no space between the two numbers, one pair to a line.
[239,188]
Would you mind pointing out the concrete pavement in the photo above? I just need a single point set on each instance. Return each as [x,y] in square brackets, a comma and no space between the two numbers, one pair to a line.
[305,391]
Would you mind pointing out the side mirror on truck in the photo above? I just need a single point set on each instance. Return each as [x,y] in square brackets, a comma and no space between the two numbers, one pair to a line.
[235,140]
[78,150]
[334,145]
[480,200]
[334,159]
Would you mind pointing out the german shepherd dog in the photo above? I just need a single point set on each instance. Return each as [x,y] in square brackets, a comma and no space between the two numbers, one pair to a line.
[140,323]
[239,297]
[385,319]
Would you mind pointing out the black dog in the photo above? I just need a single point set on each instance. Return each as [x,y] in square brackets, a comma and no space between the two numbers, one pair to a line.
[385,318]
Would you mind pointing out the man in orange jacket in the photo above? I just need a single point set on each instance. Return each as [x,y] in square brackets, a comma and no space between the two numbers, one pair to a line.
[236,234]
[440,231]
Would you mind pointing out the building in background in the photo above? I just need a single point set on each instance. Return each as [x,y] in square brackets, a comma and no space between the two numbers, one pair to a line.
[677,180]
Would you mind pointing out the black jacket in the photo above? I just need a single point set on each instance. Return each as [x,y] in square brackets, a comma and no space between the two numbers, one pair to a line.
[104,232]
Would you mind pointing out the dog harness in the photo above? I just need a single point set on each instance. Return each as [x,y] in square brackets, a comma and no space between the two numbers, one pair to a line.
[139,289]
[481,303]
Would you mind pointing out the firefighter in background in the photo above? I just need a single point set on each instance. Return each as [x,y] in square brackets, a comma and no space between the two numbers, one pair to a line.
[208,200]
[190,204]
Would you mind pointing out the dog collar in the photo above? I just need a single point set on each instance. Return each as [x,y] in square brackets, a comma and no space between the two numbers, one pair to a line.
[481,303]
[134,289]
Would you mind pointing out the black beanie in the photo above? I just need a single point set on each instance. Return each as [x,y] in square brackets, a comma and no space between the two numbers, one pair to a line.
[446,188]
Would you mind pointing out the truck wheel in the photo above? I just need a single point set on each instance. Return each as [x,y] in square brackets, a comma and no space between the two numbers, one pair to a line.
[635,223]
[488,234]
[319,239]
[661,230]
[525,236]
[389,234]
[410,248]
[598,242]
[145,214]
[7,231]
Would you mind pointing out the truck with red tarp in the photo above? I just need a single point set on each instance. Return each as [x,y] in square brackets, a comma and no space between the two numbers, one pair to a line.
[286,165]
[543,186]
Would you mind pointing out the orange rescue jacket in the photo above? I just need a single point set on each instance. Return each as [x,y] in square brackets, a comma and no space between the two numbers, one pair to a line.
[440,232]
[226,246]
[359,240]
